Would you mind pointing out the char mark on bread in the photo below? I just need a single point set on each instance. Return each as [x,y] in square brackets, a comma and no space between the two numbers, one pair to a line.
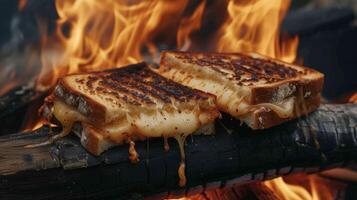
[138,85]
[126,104]
[250,87]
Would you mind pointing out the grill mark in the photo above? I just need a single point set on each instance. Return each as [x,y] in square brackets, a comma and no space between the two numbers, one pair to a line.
[105,91]
[102,88]
[258,69]
[90,81]
[141,83]
[133,96]
[263,65]
[153,90]
[238,67]
[175,90]
[142,86]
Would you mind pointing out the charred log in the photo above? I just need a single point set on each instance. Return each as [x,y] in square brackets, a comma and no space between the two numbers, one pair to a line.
[13,106]
[324,139]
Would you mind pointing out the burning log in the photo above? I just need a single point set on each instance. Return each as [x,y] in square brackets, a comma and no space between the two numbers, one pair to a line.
[324,139]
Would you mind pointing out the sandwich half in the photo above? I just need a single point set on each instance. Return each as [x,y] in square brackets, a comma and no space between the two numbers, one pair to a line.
[260,91]
[122,105]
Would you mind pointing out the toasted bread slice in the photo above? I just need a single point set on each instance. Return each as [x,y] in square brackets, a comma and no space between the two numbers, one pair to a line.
[129,103]
[261,91]
[96,140]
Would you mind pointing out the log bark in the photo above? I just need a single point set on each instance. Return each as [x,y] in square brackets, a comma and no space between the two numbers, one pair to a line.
[16,99]
[14,105]
[326,138]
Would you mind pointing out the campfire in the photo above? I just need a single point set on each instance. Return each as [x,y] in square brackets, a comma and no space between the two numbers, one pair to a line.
[89,35]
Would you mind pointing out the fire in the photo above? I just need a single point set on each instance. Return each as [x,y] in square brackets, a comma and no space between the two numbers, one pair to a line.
[254,26]
[305,187]
[353,98]
[95,35]
[22,4]
[189,25]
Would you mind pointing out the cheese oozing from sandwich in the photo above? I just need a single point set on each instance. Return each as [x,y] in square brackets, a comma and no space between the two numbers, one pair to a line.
[247,85]
[127,104]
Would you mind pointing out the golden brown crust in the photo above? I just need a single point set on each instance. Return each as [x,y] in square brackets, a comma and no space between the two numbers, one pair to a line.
[244,69]
[94,141]
[262,79]
[266,118]
[91,139]
[85,105]
[290,88]
[134,84]
[279,79]
[142,82]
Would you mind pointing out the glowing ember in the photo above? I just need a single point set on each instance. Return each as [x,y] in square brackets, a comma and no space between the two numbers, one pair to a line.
[353,98]
[305,187]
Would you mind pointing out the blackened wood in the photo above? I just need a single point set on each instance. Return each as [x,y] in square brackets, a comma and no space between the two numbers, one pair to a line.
[306,21]
[16,98]
[326,138]
[13,107]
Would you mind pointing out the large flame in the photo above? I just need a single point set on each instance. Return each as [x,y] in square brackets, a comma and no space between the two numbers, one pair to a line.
[93,35]
[103,34]
[254,26]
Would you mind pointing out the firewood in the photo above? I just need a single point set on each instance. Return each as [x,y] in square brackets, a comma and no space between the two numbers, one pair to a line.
[13,106]
[64,170]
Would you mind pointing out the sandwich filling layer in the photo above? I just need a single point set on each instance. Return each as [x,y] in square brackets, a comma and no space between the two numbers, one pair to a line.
[155,124]
[245,85]
[230,98]
[127,104]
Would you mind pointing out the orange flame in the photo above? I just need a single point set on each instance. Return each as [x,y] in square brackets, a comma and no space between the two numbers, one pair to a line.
[189,25]
[22,4]
[353,98]
[104,34]
[93,35]
[305,187]
[254,26]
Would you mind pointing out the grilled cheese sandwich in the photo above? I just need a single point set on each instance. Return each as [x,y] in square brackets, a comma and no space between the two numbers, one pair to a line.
[126,104]
[260,91]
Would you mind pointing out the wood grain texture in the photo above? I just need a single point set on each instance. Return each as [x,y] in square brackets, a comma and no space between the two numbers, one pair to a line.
[324,139]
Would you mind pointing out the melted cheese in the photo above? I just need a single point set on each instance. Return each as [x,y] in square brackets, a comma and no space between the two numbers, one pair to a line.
[133,155]
[166,144]
[230,98]
[152,124]
[181,170]
[67,117]
[148,124]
